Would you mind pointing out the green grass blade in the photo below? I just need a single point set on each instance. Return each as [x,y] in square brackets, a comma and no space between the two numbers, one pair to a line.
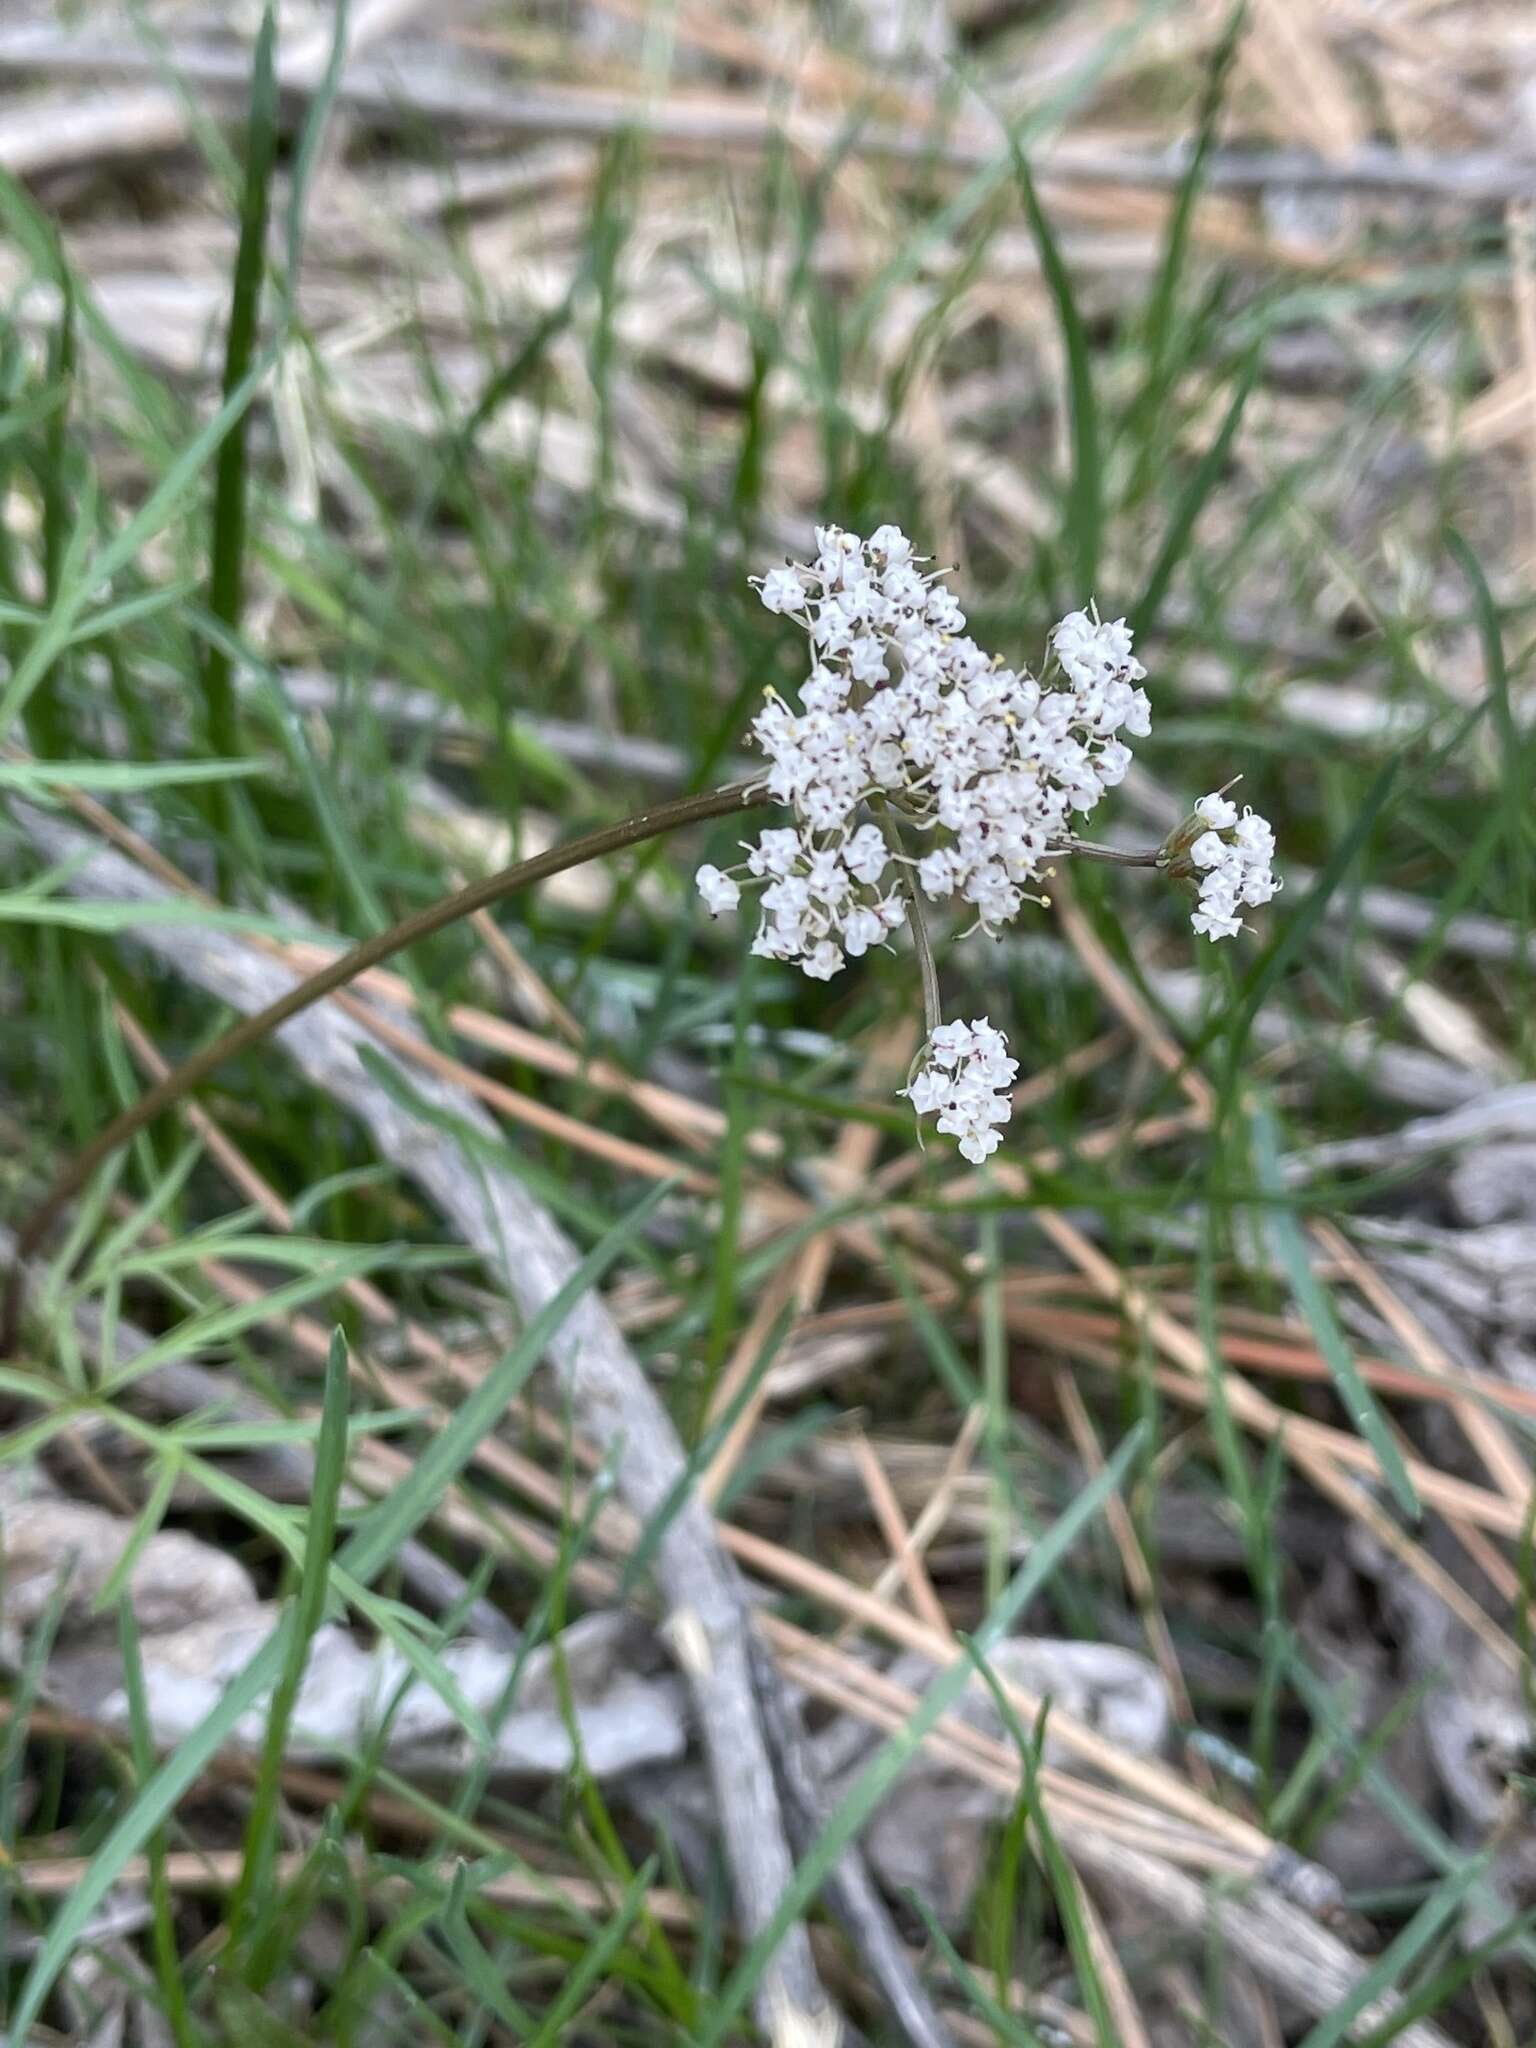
[308,1613]
[47,723]
[36,236]
[1192,500]
[306,150]
[226,582]
[33,778]
[589,1971]
[1011,2031]
[168,1971]
[1513,746]
[1290,1248]
[1157,322]
[1085,494]
[1059,1872]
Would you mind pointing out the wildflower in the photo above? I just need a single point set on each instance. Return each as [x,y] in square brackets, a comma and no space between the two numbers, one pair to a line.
[984,763]
[964,1077]
[912,747]
[1233,856]
[781,591]
[1216,811]
[718,890]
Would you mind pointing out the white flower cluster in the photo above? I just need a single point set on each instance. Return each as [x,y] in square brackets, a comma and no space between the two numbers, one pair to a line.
[965,1076]
[984,763]
[1233,855]
[969,776]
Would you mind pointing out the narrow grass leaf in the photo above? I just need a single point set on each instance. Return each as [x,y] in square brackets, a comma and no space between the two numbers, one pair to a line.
[168,1971]
[592,1968]
[1514,747]
[1290,1248]
[1157,322]
[119,776]
[1192,500]
[308,1613]
[1085,494]
[227,545]
[1059,1872]
[1011,2031]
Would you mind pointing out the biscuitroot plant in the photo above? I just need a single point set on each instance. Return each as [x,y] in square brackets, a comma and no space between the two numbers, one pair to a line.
[919,772]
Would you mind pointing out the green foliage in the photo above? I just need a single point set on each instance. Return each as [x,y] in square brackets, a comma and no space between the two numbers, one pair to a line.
[1146,435]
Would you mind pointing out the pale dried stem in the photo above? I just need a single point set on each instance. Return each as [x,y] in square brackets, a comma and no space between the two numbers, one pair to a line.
[905,1559]
[934,1513]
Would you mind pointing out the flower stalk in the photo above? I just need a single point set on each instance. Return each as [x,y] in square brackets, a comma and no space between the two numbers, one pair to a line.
[905,720]
[249,1032]
[908,733]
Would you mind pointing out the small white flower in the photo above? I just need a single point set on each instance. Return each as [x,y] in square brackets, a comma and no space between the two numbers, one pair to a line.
[823,961]
[718,890]
[951,1043]
[1093,654]
[1220,885]
[1254,835]
[1214,924]
[782,591]
[1209,850]
[944,610]
[775,852]
[1217,812]
[866,855]
[1234,854]
[930,1090]
[833,631]
[936,873]
[862,929]
[1113,763]
[891,544]
[964,1078]
[823,690]
[866,661]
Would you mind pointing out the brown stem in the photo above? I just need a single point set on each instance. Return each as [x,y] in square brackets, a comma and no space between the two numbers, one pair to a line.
[250,1031]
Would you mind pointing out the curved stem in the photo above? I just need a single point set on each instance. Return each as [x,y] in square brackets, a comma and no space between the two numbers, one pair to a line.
[250,1031]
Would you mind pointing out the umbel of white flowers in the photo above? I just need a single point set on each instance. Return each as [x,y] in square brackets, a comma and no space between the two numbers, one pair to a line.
[919,766]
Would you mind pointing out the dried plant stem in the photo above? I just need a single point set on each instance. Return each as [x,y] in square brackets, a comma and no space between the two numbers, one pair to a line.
[251,1030]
